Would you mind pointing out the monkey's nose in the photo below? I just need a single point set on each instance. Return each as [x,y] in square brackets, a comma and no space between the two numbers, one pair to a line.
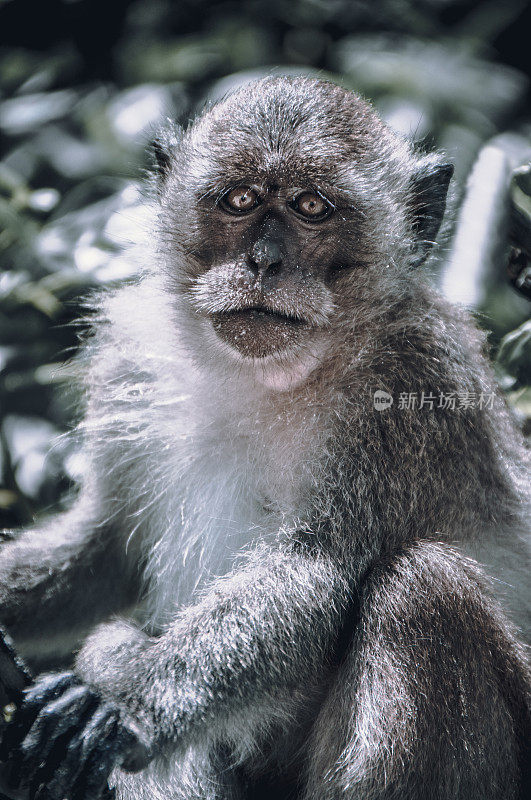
[265,255]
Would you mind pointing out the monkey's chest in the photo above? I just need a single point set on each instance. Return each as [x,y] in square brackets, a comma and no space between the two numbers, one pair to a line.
[200,529]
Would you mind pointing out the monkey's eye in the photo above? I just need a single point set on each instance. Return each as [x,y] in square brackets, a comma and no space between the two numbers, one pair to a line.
[239,200]
[311,206]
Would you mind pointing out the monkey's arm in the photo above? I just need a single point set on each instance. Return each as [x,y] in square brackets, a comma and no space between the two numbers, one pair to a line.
[255,636]
[267,629]
[59,579]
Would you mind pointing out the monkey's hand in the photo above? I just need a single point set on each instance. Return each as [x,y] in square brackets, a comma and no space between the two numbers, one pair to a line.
[65,741]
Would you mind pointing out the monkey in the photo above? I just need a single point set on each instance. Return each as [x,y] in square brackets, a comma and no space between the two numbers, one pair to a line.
[290,437]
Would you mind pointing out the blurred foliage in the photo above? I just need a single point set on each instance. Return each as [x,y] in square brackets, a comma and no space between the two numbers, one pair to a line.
[83,86]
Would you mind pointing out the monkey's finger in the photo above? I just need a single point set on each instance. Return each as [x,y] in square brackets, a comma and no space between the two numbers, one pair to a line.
[63,776]
[100,756]
[53,778]
[53,721]
[136,755]
[48,686]
[45,689]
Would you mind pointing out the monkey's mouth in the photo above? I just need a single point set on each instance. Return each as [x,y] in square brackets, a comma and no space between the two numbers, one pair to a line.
[258,331]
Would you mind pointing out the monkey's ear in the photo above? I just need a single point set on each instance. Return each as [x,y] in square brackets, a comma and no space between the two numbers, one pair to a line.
[163,147]
[427,204]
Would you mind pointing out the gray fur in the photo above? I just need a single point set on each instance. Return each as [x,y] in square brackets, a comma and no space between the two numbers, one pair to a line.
[309,625]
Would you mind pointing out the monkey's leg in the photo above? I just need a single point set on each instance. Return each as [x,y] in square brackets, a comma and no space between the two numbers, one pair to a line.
[431,701]
[59,579]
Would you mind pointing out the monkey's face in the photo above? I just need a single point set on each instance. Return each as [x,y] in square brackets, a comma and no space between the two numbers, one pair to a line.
[261,268]
[265,249]
[283,205]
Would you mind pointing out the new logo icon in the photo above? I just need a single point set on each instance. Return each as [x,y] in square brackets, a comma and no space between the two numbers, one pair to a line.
[382,400]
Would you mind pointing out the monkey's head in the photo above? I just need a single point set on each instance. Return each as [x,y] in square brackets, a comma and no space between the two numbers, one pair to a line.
[285,209]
